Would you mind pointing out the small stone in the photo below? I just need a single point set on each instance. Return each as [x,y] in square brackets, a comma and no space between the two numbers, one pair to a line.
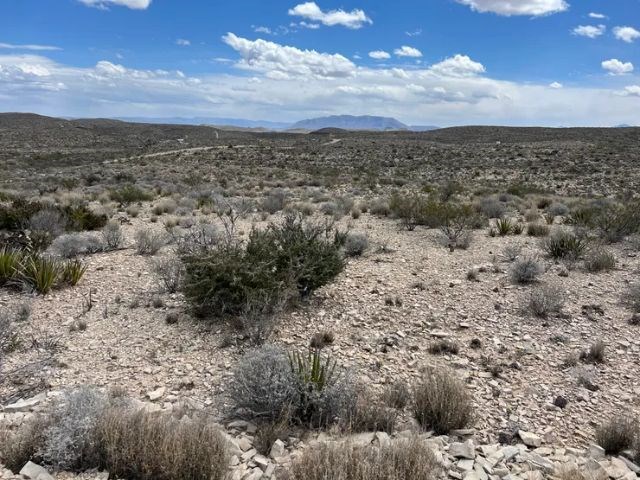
[35,472]
[530,439]
[462,450]
[156,394]
[560,401]
[277,449]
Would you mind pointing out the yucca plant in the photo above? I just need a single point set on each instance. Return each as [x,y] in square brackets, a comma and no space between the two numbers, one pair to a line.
[565,245]
[9,265]
[41,273]
[72,272]
[313,372]
[504,226]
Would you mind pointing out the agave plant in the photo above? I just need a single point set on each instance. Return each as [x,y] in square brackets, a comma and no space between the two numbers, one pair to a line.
[313,372]
[9,265]
[41,273]
[504,226]
[72,272]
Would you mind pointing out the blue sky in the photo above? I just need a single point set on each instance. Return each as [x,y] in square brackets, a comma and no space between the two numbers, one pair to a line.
[446,62]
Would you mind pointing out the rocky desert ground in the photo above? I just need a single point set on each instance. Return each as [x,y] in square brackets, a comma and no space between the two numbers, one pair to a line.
[463,302]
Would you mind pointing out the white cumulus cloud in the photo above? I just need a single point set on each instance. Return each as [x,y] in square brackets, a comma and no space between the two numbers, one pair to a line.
[632,90]
[556,85]
[379,55]
[311,11]
[133,4]
[406,51]
[517,7]
[591,31]
[597,15]
[280,61]
[458,66]
[626,34]
[616,67]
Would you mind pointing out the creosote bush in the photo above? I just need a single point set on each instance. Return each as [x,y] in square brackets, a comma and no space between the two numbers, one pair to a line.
[407,459]
[441,402]
[277,266]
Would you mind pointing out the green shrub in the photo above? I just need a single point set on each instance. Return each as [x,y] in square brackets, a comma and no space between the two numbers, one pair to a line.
[564,245]
[537,230]
[278,265]
[128,194]
[441,402]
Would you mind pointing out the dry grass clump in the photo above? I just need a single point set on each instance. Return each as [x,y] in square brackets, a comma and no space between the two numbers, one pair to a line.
[441,402]
[599,260]
[149,242]
[409,459]
[595,354]
[617,434]
[146,446]
[89,430]
[545,301]
[525,270]
[632,298]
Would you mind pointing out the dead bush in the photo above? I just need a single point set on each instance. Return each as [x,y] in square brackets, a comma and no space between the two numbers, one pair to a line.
[545,301]
[150,446]
[525,270]
[410,459]
[617,434]
[441,402]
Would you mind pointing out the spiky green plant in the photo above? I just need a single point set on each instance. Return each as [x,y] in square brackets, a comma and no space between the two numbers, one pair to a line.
[72,272]
[504,226]
[9,265]
[314,372]
[41,273]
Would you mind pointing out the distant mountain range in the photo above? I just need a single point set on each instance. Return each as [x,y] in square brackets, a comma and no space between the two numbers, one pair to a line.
[345,122]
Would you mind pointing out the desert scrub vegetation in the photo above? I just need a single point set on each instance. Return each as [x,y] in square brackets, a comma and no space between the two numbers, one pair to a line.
[88,429]
[525,270]
[149,242]
[545,301]
[356,244]
[618,434]
[305,388]
[564,244]
[275,267]
[37,272]
[599,259]
[403,459]
[441,402]
[611,221]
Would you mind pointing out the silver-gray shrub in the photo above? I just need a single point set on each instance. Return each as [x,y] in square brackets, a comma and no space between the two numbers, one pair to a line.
[48,221]
[71,439]
[356,244]
[525,270]
[112,236]
[170,272]
[73,244]
[264,384]
[149,242]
